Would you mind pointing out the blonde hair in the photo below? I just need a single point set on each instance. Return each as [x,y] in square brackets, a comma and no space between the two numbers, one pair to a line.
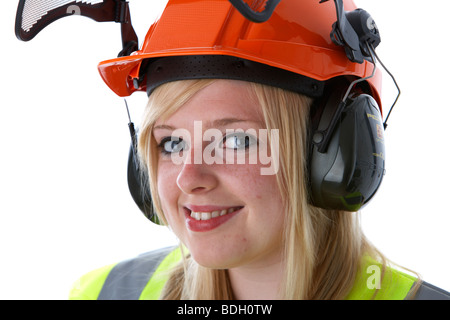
[323,248]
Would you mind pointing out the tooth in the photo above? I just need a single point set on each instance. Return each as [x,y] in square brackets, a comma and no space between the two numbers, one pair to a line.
[215,214]
[205,215]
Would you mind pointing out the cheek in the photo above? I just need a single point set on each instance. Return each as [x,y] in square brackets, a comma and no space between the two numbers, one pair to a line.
[167,189]
[260,192]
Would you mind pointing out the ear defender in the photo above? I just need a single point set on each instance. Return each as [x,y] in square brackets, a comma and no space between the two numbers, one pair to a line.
[346,162]
[138,184]
[348,171]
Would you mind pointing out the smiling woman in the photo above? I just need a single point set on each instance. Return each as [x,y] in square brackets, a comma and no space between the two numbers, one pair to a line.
[291,232]
[218,211]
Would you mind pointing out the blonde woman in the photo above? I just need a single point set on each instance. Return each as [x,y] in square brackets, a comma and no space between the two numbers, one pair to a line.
[259,237]
[261,140]
[273,245]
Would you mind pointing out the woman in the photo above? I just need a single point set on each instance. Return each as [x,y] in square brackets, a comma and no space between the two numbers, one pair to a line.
[230,141]
[259,249]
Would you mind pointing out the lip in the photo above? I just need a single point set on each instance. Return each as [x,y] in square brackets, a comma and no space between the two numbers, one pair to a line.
[207,225]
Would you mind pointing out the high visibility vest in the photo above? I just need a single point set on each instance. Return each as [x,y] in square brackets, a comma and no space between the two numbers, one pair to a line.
[143,278]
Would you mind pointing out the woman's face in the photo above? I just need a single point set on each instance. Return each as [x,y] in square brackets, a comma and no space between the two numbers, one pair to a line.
[210,184]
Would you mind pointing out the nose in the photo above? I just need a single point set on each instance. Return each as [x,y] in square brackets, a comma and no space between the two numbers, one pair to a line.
[196,176]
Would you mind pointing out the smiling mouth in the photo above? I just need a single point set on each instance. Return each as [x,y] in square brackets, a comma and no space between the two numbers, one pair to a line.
[212,214]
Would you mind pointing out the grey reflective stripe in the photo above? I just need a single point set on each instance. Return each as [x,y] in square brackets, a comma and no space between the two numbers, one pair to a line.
[427,291]
[127,279]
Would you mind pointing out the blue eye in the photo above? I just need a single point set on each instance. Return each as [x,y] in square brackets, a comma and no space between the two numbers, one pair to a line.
[238,141]
[170,145]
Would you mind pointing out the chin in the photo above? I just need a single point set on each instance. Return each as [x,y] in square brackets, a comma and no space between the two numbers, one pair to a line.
[215,258]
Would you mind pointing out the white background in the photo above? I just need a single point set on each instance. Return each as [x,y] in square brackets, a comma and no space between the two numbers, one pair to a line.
[65,208]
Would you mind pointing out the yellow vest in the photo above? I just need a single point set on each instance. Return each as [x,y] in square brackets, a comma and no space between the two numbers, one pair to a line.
[143,278]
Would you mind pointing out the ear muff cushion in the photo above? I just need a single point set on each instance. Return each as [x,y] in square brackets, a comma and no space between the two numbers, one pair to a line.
[349,173]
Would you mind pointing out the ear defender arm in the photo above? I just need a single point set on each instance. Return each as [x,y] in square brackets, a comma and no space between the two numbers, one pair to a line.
[322,135]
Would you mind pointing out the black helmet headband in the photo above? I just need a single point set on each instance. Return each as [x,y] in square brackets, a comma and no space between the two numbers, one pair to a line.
[168,69]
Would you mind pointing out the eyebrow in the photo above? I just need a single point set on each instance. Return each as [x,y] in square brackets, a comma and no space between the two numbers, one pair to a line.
[226,121]
[164,127]
[216,123]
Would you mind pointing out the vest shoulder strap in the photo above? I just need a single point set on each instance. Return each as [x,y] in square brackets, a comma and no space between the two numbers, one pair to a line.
[127,279]
[373,282]
[88,287]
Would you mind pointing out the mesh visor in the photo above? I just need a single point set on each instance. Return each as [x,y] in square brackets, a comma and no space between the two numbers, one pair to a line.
[34,15]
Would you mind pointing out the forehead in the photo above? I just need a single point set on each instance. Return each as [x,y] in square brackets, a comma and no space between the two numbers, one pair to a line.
[220,99]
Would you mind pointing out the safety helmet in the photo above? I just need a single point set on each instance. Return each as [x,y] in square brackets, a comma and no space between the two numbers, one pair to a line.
[295,38]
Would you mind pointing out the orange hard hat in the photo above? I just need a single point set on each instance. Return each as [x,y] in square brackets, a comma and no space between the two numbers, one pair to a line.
[296,38]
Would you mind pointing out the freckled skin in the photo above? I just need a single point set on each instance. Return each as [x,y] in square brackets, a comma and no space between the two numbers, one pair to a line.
[251,237]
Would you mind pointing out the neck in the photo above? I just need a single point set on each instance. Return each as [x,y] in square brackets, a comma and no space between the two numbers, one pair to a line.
[253,282]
